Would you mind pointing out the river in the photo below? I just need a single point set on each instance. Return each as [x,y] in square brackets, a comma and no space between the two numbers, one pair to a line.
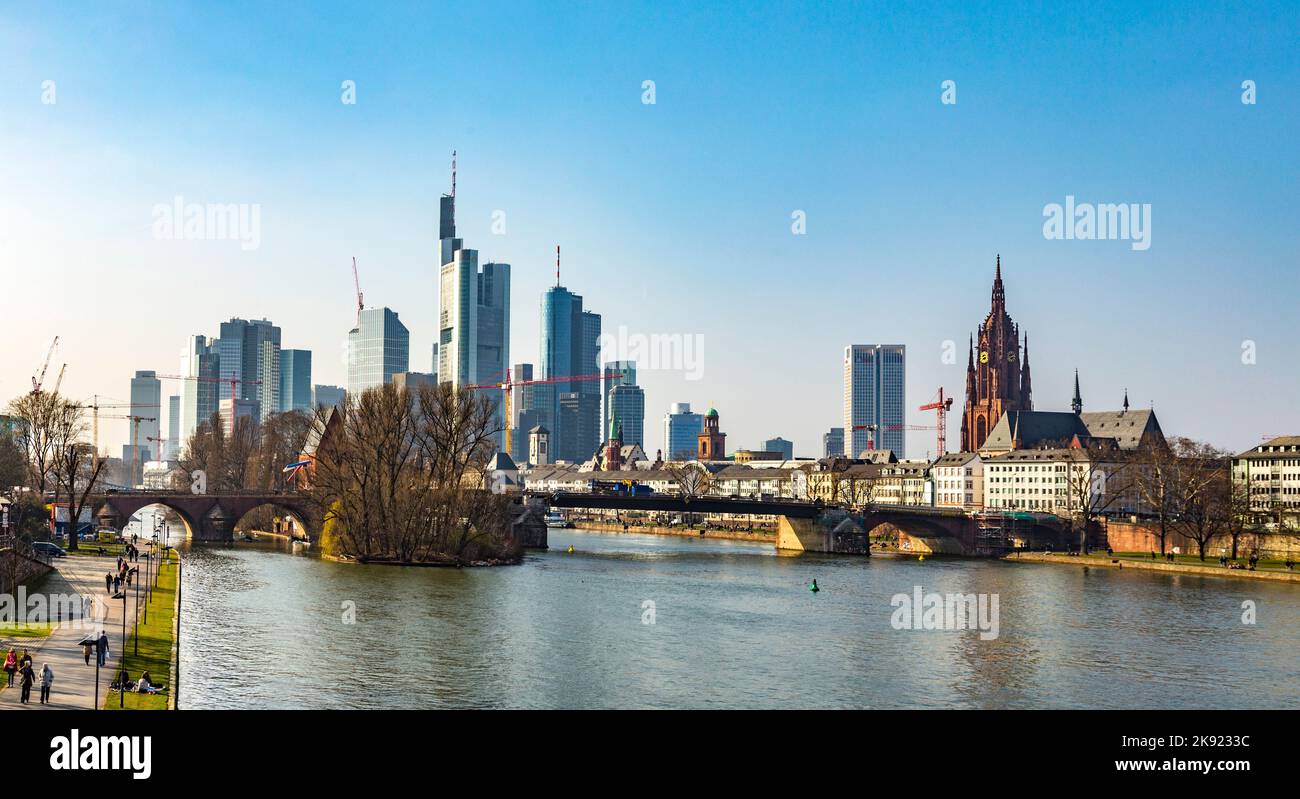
[734,626]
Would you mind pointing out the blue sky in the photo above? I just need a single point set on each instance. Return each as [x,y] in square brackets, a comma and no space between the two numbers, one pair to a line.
[675,217]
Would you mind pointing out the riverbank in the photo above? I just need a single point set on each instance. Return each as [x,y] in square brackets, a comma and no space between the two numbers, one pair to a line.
[151,645]
[679,532]
[1126,562]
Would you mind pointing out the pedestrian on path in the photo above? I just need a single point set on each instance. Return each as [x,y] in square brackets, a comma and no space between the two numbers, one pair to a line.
[11,666]
[86,651]
[25,660]
[108,582]
[28,677]
[47,680]
[101,649]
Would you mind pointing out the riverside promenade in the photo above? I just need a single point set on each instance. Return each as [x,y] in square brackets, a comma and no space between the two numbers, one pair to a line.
[1210,568]
[74,681]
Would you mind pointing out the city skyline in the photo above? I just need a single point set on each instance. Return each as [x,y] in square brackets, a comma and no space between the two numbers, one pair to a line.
[1173,323]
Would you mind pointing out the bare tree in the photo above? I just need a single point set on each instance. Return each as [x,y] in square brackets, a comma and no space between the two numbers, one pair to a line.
[1201,494]
[77,473]
[38,433]
[1096,478]
[693,479]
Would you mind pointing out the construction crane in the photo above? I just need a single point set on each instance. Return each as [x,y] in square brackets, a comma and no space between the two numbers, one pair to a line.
[160,442]
[941,407]
[95,405]
[59,381]
[509,383]
[135,436]
[37,380]
[356,280]
[871,438]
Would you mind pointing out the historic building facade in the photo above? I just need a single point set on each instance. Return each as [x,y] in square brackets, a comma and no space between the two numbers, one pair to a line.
[997,372]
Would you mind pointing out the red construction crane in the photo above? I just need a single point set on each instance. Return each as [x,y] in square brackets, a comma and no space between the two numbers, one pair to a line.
[941,406]
[356,279]
[871,439]
[37,380]
[509,383]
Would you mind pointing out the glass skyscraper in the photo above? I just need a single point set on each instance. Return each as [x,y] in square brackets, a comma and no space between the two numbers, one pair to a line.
[681,432]
[378,348]
[250,351]
[198,398]
[295,380]
[622,397]
[875,383]
[146,402]
[569,348]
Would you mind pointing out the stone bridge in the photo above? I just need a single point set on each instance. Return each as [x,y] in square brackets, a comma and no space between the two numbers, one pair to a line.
[808,526]
[207,517]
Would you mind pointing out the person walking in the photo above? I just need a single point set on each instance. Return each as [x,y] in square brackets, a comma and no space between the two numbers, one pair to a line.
[108,582]
[101,649]
[85,650]
[28,677]
[47,681]
[11,667]
[25,660]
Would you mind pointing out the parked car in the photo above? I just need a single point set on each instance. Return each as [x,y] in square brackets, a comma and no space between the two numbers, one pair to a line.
[49,548]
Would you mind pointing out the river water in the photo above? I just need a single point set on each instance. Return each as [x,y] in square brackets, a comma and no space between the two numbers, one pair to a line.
[734,626]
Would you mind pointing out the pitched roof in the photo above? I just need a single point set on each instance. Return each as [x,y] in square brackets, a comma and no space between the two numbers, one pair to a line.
[1037,428]
[1126,427]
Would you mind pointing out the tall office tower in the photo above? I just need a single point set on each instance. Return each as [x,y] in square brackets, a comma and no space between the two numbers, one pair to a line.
[378,348]
[146,402]
[614,373]
[681,431]
[627,405]
[622,397]
[328,396]
[250,351]
[174,443]
[523,410]
[473,346]
[833,443]
[875,382]
[433,362]
[295,380]
[199,358]
[569,344]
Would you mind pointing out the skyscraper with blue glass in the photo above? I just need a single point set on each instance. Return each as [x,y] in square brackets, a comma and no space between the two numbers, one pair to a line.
[378,348]
[875,399]
[569,348]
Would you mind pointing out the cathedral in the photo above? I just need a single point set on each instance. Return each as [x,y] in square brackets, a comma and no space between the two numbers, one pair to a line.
[997,373]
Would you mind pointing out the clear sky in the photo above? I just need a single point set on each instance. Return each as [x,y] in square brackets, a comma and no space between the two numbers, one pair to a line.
[675,217]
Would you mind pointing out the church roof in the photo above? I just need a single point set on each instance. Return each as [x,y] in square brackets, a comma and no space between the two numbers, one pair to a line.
[1037,428]
[503,462]
[712,413]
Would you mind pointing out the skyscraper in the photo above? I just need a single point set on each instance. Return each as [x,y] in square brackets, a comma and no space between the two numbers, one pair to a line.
[569,344]
[378,348]
[875,382]
[146,401]
[523,409]
[833,443]
[681,430]
[328,396]
[199,358]
[174,443]
[622,397]
[473,346]
[295,380]
[250,351]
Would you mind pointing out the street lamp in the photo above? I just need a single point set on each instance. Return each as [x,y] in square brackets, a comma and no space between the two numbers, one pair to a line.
[121,688]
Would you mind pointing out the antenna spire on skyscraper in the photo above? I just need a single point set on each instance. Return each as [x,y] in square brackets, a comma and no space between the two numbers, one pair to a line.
[453,174]
[557,265]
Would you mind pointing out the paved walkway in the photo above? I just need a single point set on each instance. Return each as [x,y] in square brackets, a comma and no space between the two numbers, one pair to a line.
[74,681]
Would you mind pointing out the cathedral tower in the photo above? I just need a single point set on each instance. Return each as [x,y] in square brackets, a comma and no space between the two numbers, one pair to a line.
[997,371]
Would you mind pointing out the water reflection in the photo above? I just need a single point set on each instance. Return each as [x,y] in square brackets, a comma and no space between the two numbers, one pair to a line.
[264,625]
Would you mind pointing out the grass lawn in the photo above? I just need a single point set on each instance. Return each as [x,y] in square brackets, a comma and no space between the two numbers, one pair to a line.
[155,639]
[35,629]
[1193,559]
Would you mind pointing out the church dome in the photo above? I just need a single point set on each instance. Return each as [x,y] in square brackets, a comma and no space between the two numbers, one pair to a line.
[712,413]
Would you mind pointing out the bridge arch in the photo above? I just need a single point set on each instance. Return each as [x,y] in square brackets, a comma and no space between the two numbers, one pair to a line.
[291,510]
